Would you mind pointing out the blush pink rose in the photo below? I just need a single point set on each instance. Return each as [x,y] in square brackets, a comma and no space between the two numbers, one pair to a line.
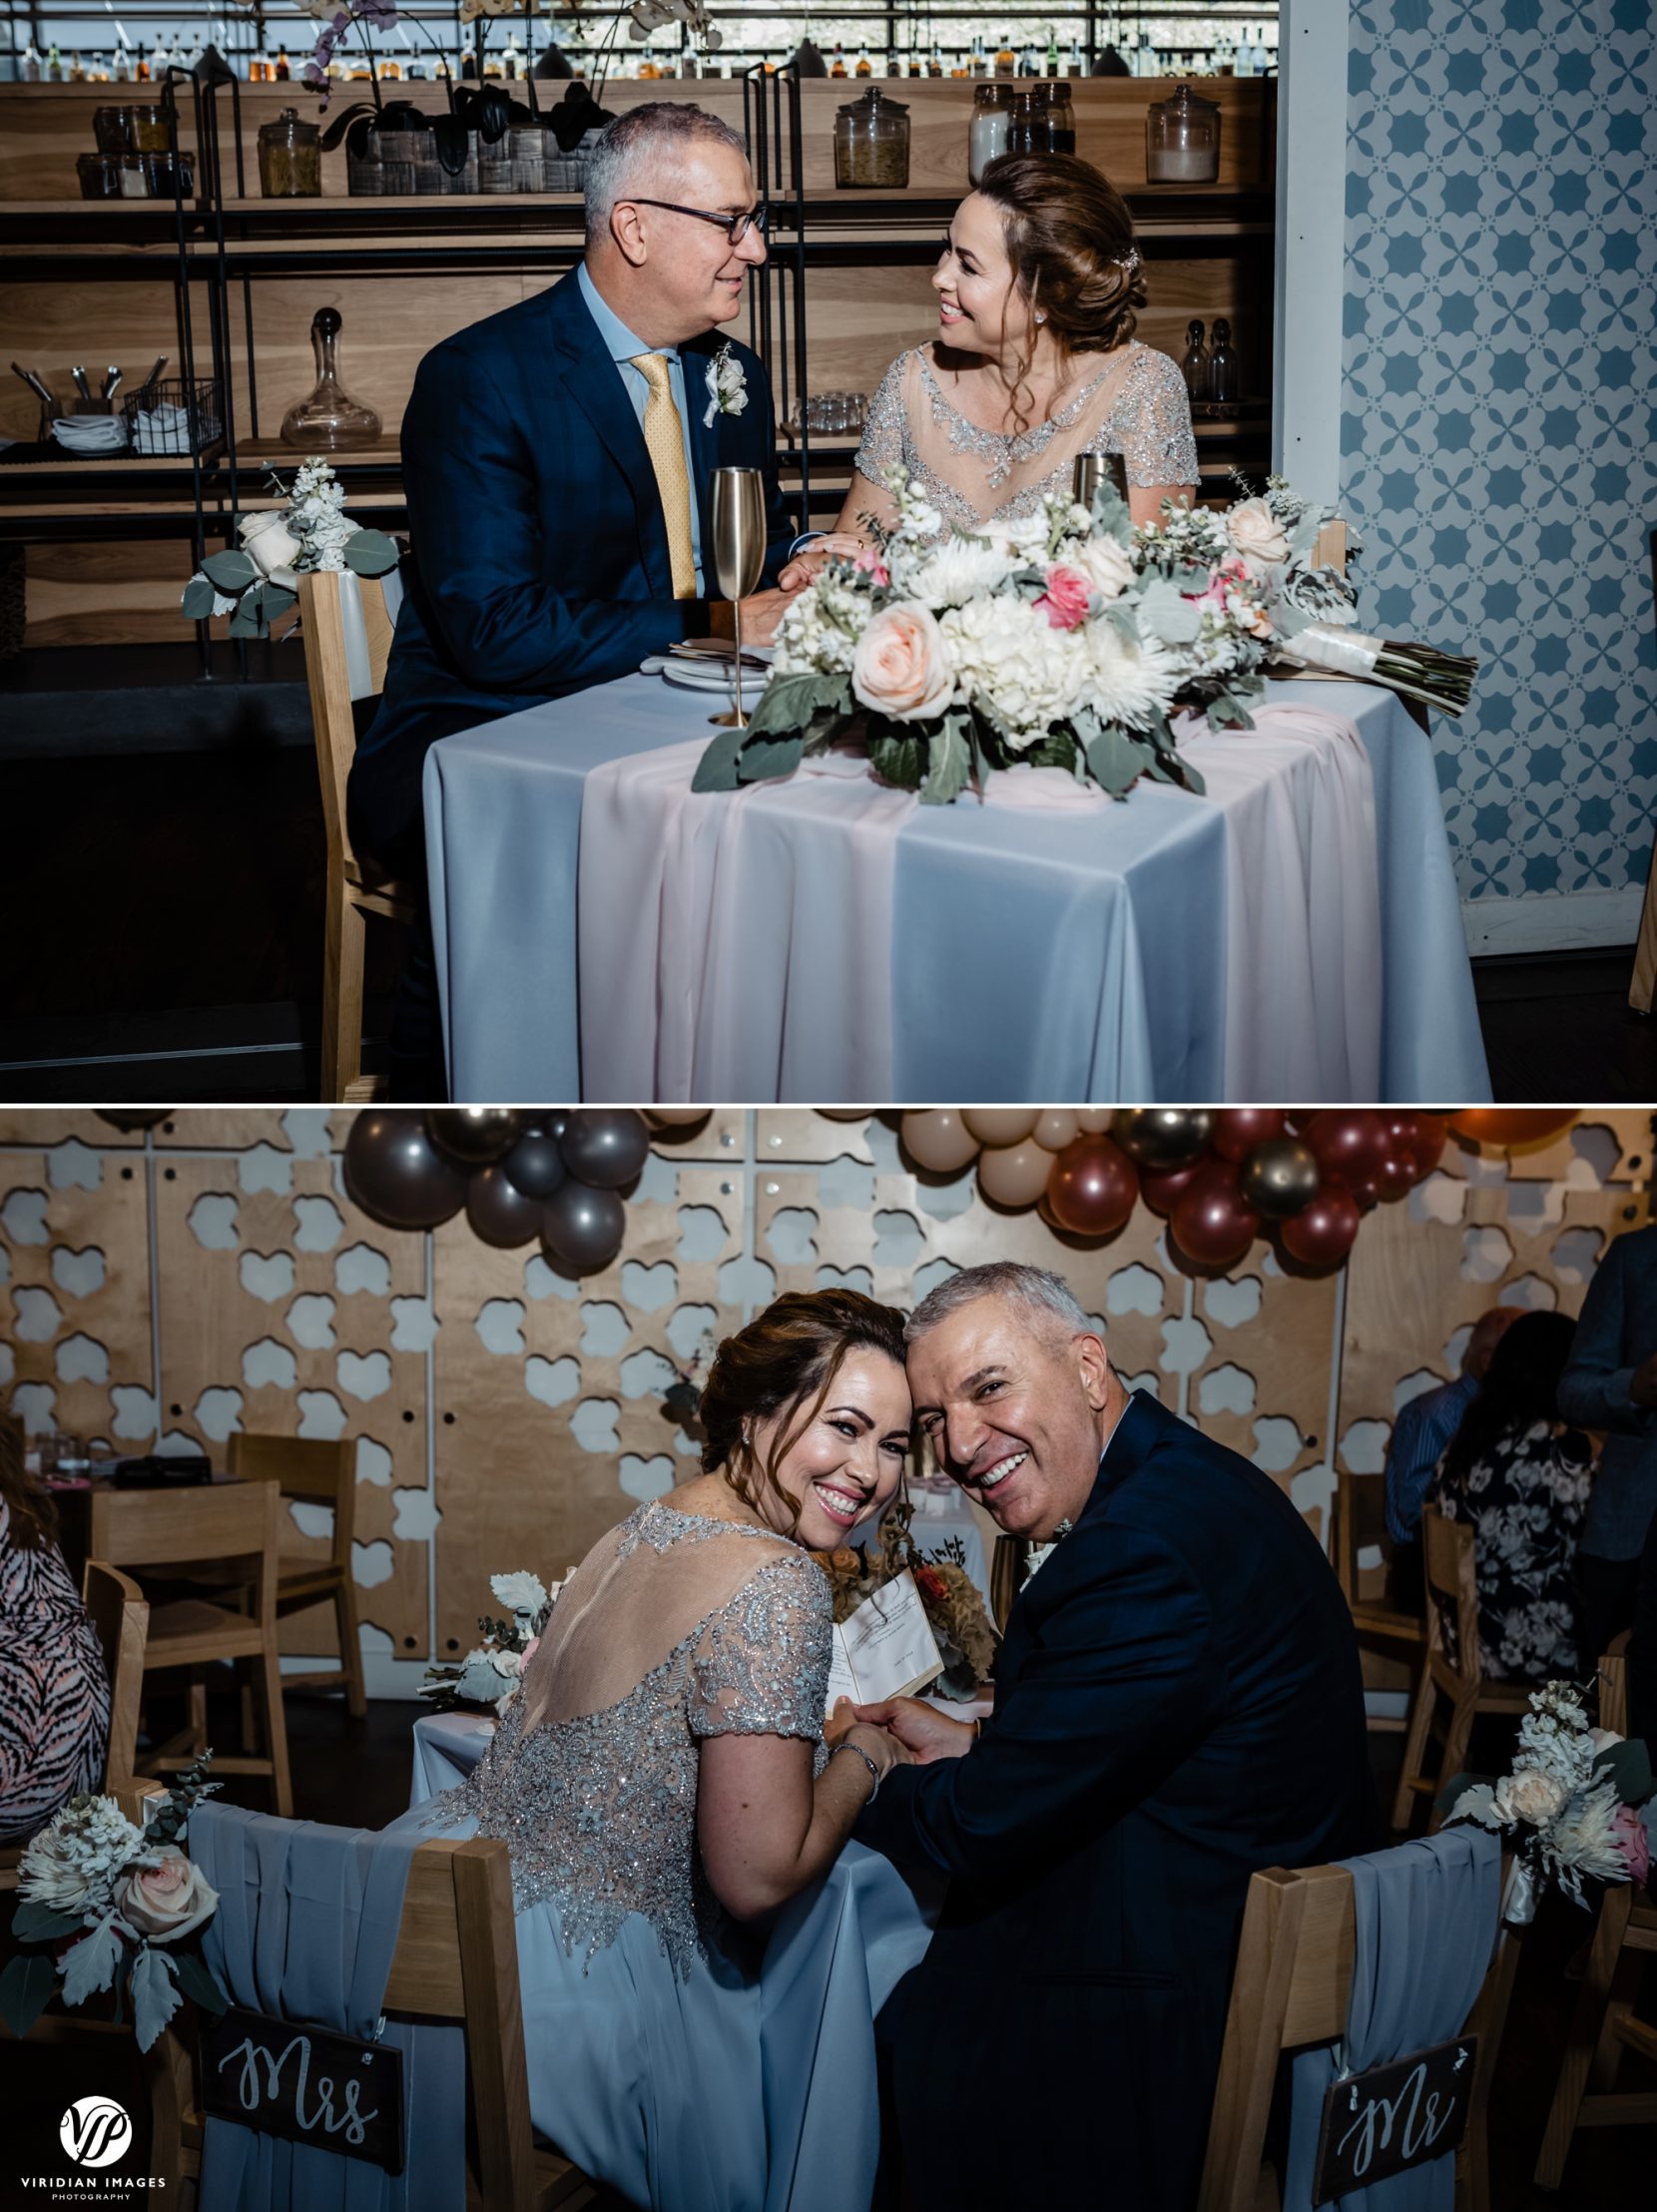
[901,665]
[1632,1841]
[168,1900]
[1066,598]
[868,563]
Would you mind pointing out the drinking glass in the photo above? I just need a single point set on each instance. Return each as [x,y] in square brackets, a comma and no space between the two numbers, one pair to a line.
[739,555]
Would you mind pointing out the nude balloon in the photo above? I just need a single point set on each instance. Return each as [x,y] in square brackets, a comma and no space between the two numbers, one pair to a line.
[1015,1175]
[1000,1125]
[939,1140]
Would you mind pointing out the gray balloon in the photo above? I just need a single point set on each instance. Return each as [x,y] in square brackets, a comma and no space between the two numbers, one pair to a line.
[1161,1137]
[499,1211]
[535,1165]
[582,1228]
[395,1173]
[606,1149]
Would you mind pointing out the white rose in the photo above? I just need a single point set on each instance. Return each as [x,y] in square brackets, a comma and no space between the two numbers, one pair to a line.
[1104,563]
[1257,533]
[1529,1796]
[168,1900]
[272,546]
[902,667]
[1009,655]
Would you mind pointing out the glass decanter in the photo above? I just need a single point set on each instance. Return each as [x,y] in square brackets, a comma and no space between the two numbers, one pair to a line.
[328,420]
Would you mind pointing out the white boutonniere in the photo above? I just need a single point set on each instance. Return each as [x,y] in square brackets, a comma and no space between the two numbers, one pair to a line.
[727,386]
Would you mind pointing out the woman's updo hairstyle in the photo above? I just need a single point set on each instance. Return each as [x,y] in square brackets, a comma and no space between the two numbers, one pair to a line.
[1071,244]
[784,1361]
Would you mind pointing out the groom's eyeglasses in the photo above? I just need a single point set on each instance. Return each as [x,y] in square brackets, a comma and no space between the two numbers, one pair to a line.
[735,226]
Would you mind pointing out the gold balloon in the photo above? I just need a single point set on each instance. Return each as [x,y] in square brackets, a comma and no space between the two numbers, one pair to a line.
[1279,1176]
[474,1135]
[1161,1137]
[999,1125]
[1015,1175]
[1096,1122]
[939,1141]
[1055,1130]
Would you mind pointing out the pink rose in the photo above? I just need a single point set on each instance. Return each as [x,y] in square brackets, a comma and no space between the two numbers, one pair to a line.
[1066,599]
[901,665]
[869,563]
[166,1899]
[1214,594]
[1632,1841]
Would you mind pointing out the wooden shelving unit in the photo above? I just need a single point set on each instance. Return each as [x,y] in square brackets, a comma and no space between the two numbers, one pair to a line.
[111,282]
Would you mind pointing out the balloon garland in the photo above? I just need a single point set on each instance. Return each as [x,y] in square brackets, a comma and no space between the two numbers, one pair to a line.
[1219,1178]
[550,1172]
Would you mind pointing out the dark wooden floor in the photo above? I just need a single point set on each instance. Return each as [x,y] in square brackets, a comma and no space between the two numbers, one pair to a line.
[357,1774]
[165,844]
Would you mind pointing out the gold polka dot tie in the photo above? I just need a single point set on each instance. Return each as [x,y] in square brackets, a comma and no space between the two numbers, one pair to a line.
[665,440]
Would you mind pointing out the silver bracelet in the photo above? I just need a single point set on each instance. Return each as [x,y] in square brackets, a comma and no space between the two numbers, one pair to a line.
[875,1772]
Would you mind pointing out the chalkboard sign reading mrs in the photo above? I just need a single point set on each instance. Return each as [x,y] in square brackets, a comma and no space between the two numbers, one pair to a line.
[1403,2114]
[305,2084]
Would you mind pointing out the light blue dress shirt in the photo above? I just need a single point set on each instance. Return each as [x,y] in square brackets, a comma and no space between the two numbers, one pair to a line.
[622,345]
[1422,1434]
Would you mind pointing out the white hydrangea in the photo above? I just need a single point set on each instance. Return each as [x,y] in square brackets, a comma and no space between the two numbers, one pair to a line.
[958,570]
[1131,683]
[821,630]
[72,1863]
[1007,654]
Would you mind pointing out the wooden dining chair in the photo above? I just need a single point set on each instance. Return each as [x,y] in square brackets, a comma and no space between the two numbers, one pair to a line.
[120,1615]
[1604,2032]
[314,1472]
[1360,1524]
[1291,1986]
[457,1960]
[356,886]
[1447,1563]
[234,1524]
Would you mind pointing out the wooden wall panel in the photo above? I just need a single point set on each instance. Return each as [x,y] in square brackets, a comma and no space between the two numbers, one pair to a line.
[50,327]
[128,590]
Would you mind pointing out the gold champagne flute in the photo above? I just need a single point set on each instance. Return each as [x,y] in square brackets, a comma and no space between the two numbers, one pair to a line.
[739,518]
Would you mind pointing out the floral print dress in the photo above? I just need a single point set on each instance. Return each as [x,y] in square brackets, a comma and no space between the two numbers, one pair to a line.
[1527,1498]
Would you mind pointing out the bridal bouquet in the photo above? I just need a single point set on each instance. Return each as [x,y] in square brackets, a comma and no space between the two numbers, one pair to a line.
[120,1892]
[312,533]
[489,1674]
[1069,641]
[954,1611]
[1577,1803]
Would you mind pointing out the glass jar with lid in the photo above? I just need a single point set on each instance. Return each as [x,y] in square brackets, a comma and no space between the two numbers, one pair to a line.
[290,157]
[987,135]
[1027,125]
[99,175]
[1061,117]
[872,143]
[1182,139]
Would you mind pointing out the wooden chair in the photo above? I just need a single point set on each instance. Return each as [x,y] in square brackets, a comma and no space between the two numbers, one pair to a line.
[1291,1986]
[1448,1566]
[457,1960]
[1359,1522]
[1604,2029]
[236,1524]
[120,1616]
[356,887]
[324,1475]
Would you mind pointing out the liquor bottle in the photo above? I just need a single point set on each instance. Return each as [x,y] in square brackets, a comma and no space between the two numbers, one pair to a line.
[894,63]
[916,68]
[1007,61]
[141,69]
[1061,121]
[281,68]
[1245,63]
[1224,56]
[512,60]
[862,67]
[1222,364]
[1194,367]
[77,69]
[1053,52]
[837,68]
[54,66]
[1078,59]
[122,64]
[934,68]
[161,60]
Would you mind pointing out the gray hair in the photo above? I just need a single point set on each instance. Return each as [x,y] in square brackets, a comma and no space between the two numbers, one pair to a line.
[659,134]
[1047,1298]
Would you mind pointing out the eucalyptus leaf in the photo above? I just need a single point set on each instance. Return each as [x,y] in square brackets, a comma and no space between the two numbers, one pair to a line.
[764,759]
[92,1962]
[1168,614]
[1628,1765]
[789,702]
[899,758]
[197,601]
[197,1980]
[34,1923]
[1053,748]
[247,621]
[948,765]
[369,553]
[155,1995]
[277,599]
[717,769]
[25,1986]
[1117,760]
[229,570]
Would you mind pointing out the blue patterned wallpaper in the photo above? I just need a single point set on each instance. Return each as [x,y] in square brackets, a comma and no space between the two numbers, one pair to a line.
[1500,431]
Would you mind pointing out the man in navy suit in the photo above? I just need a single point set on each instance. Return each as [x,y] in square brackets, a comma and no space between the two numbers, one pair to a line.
[1177,1703]
[558,460]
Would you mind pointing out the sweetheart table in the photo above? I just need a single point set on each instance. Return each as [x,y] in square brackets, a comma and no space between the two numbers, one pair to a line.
[603,934]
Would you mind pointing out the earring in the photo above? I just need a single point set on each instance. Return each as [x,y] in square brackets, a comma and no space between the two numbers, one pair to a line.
[1041,318]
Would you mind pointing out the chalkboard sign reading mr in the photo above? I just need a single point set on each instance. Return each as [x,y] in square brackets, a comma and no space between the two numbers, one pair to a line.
[305,2084]
[1404,2115]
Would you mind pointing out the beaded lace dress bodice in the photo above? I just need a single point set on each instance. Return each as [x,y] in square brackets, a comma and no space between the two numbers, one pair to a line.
[976,478]
[597,1801]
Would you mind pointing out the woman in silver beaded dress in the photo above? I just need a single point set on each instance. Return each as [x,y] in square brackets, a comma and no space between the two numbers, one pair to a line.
[661,1777]
[1034,363]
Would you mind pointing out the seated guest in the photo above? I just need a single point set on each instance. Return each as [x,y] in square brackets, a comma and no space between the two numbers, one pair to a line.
[1522,1477]
[54,1693]
[1420,1436]
[559,461]
[1610,1383]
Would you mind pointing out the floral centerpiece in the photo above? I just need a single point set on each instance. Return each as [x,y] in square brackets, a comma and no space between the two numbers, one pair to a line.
[259,583]
[1069,640]
[1577,1806]
[107,1905]
[954,1611]
[487,1678]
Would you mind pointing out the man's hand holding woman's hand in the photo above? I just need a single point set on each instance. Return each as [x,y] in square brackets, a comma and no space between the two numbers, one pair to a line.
[925,1735]
[845,1724]
[811,560]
